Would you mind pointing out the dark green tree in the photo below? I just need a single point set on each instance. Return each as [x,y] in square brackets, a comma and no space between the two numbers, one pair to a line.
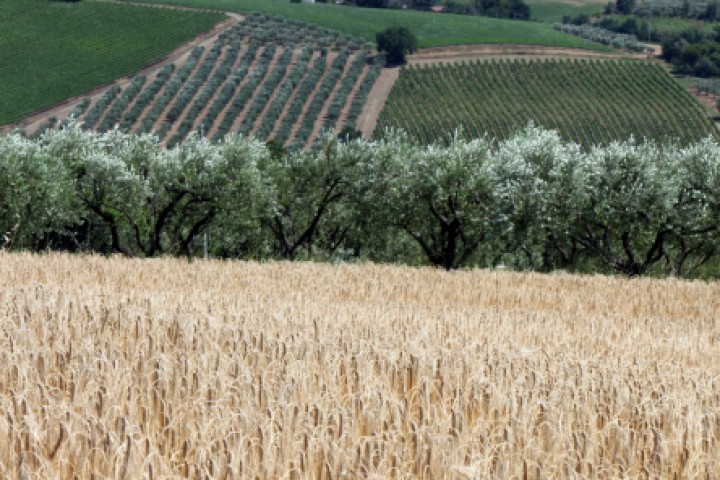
[396,42]
[625,6]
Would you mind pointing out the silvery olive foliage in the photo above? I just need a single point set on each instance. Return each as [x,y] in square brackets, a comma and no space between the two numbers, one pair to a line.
[529,202]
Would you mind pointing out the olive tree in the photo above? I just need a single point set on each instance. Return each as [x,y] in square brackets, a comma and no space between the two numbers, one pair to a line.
[37,193]
[441,197]
[694,239]
[535,178]
[626,213]
[309,211]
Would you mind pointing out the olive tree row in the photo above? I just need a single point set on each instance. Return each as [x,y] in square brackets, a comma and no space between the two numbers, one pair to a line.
[530,202]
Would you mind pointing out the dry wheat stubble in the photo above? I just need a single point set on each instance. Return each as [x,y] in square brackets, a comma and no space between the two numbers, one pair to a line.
[156,368]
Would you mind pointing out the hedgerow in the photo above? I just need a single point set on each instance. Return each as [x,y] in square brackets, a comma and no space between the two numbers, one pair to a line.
[531,201]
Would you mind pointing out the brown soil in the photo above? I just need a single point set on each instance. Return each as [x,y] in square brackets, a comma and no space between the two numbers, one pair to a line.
[376,100]
[351,97]
[294,94]
[161,118]
[212,129]
[709,101]
[323,112]
[174,128]
[237,123]
[472,52]
[288,70]
[206,109]
[293,131]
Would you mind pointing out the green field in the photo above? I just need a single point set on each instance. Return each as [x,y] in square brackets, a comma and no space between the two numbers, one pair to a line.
[50,51]
[551,12]
[242,84]
[588,101]
[432,29]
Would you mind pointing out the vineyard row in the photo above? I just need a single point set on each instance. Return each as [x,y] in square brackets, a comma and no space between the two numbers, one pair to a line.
[587,101]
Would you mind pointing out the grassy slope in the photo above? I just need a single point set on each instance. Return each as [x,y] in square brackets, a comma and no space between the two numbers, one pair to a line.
[551,12]
[432,29]
[50,51]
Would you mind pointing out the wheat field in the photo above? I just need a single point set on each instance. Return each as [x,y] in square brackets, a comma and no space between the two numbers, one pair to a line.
[116,368]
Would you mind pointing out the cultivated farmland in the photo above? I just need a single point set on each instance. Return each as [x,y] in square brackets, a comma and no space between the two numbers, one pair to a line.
[433,30]
[587,101]
[51,51]
[163,368]
[265,76]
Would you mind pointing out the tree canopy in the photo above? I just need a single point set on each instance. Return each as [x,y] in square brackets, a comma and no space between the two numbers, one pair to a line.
[529,202]
[396,42]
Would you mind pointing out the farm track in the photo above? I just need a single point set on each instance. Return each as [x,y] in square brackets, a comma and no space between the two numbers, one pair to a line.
[376,101]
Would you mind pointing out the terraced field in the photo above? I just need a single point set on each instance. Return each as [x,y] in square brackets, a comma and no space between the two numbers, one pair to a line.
[587,101]
[265,76]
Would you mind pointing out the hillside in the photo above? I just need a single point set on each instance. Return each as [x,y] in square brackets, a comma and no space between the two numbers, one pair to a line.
[263,76]
[590,102]
[52,50]
[164,368]
[433,30]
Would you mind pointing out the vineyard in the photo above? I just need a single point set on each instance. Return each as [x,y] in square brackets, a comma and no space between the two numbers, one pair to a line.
[265,76]
[587,101]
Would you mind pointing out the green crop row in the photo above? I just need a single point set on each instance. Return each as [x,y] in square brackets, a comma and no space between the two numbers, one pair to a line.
[255,78]
[146,96]
[589,102]
[121,103]
[171,89]
[282,95]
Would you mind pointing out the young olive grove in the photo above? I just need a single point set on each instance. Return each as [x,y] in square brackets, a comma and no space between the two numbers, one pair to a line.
[532,201]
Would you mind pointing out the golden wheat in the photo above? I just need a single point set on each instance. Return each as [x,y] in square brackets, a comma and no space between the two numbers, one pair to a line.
[162,368]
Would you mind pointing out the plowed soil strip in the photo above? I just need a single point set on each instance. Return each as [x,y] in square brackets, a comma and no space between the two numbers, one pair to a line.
[342,119]
[319,122]
[298,123]
[243,113]
[203,113]
[315,57]
[176,124]
[290,68]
